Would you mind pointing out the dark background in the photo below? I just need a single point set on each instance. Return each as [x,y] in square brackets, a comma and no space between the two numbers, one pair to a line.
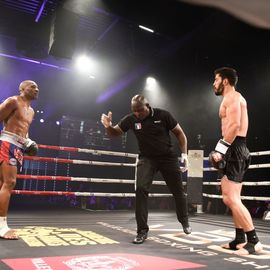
[189,43]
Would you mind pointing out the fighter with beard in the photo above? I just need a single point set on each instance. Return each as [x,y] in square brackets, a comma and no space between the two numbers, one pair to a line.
[233,151]
[152,127]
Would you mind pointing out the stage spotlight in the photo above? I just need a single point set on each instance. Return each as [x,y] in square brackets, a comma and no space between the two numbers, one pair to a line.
[84,64]
[57,123]
[41,120]
[151,84]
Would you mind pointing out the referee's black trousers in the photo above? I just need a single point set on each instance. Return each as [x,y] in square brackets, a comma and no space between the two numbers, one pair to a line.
[169,168]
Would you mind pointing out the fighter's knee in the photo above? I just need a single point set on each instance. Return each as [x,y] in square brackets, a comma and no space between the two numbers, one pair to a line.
[229,201]
[226,200]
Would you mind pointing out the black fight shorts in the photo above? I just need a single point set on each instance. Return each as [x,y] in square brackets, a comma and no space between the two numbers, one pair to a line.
[237,160]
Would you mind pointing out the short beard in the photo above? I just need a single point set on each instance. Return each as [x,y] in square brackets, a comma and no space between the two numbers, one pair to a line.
[220,90]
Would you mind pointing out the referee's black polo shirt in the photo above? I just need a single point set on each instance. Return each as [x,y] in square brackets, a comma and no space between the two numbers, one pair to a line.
[152,132]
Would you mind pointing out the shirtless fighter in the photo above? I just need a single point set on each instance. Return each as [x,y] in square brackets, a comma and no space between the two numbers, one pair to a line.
[231,157]
[16,114]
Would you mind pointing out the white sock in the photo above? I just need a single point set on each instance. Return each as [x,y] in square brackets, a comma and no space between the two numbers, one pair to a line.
[3,226]
[3,222]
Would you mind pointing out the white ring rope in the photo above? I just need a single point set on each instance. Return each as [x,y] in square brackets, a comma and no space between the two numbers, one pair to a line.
[256,166]
[252,198]
[260,153]
[253,166]
[89,151]
[84,194]
[261,183]
[81,162]
[82,179]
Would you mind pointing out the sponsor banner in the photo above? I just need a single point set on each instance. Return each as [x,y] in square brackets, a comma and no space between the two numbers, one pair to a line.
[115,261]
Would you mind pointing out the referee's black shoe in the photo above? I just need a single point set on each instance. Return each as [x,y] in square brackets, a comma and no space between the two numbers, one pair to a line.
[140,238]
[186,228]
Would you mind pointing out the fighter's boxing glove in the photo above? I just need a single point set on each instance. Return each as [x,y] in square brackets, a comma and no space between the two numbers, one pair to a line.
[30,147]
[220,151]
[222,147]
[219,165]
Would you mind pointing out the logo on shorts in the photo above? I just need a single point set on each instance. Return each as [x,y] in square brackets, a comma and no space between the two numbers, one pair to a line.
[18,155]
[138,126]
[157,121]
[13,162]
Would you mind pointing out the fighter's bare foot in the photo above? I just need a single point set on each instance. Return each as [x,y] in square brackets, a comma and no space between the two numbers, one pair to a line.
[10,234]
[249,248]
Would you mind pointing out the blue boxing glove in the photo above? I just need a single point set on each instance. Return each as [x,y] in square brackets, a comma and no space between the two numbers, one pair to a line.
[30,147]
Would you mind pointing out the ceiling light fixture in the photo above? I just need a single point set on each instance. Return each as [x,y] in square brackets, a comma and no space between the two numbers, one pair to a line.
[146,28]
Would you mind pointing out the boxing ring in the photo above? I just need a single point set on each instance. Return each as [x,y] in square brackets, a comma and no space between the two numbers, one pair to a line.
[80,238]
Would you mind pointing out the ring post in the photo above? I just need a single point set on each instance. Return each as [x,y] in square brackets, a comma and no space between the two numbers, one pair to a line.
[194,178]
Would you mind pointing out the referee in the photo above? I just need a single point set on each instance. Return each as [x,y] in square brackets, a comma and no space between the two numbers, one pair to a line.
[152,127]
